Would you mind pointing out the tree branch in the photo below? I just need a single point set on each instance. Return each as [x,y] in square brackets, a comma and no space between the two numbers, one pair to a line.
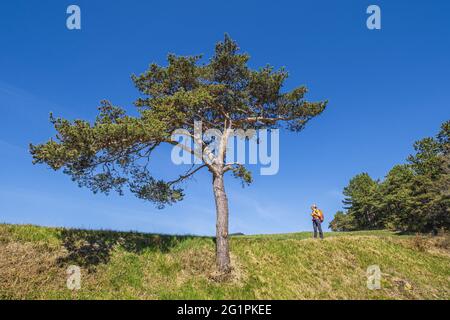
[186,175]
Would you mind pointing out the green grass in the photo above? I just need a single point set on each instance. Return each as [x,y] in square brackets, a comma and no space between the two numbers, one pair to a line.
[128,265]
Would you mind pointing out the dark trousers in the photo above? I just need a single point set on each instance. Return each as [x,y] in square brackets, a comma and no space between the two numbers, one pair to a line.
[317,225]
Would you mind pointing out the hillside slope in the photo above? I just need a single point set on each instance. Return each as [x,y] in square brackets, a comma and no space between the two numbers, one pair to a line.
[120,265]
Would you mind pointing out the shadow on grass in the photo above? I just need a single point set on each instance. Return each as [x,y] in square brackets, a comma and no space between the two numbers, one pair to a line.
[87,248]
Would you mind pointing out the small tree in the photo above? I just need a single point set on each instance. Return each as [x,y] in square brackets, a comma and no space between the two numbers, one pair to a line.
[361,201]
[224,94]
[342,222]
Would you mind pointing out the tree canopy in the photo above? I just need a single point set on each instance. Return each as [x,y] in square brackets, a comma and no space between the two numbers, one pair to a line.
[112,152]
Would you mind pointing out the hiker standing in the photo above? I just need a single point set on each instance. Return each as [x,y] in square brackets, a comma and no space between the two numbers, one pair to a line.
[317,219]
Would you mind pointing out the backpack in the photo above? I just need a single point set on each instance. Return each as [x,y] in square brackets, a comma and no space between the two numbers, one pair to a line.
[321,217]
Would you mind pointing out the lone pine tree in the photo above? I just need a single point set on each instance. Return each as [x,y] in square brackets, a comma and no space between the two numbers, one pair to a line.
[224,94]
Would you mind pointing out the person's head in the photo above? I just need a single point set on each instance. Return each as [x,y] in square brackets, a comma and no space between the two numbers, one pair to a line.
[314,207]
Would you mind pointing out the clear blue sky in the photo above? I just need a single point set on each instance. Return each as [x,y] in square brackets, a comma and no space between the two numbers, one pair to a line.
[386,88]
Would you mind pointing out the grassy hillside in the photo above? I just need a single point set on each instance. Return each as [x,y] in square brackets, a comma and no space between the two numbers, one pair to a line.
[119,265]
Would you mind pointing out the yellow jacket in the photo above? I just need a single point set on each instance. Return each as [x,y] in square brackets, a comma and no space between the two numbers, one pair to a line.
[317,214]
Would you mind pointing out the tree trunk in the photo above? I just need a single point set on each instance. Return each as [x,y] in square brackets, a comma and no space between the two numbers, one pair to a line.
[222,245]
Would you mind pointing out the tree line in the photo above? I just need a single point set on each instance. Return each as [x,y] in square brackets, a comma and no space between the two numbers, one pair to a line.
[413,197]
